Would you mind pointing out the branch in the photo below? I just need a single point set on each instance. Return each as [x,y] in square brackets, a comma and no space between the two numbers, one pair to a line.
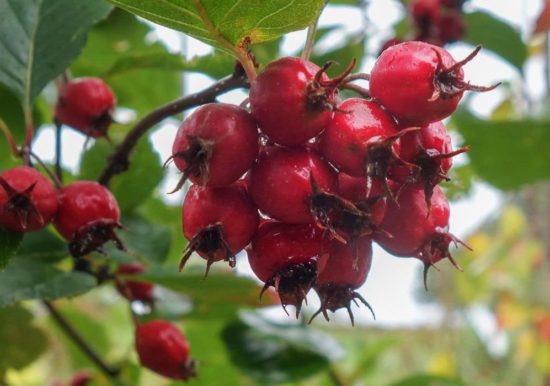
[119,160]
[80,342]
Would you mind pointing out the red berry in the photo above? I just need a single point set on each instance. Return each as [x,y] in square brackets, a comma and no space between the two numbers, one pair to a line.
[425,14]
[215,145]
[218,222]
[451,26]
[86,104]
[132,289]
[281,183]
[415,231]
[293,99]
[362,140]
[372,201]
[81,378]
[420,83]
[345,271]
[287,257]
[162,348]
[28,201]
[87,217]
[431,150]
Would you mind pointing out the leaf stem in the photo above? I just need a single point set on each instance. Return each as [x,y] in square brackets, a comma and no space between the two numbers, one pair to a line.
[58,146]
[80,342]
[29,134]
[335,377]
[119,160]
[310,40]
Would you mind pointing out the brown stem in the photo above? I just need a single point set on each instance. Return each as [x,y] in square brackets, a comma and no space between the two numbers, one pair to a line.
[119,160]
[80,342]
[364,92]
[58,169]
[335,377]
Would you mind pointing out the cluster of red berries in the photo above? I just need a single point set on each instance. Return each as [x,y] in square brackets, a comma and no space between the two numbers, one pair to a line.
[85,213]
[305,181]
[437,22]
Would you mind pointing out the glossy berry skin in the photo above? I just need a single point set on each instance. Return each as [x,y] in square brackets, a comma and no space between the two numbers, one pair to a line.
[88,214]
[86,104]
[419,83]
[290,105]
[416,230]
[132,289]
[162,348]
[346,270]
[281,183]
[28,201]
[287,257]
[410,223]
[218,222]
[216,144]
[357,126]
[81,378]
[431,150]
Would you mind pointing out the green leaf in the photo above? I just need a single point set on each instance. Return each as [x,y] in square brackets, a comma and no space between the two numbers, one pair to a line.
[25,279]
[132,187]
[495,35]
[39,39]
[220,294]
[43,246]
[21,342]
[272,352]
[226,24]
[428,380]
[9,242]
[121,37]
[507,154]
[143,239]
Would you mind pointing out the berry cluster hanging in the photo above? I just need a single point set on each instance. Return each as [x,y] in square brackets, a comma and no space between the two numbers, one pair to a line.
[305,181]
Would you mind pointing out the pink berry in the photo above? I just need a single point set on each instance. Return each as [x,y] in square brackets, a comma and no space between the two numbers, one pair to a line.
[293,99]
[87,217]
[86,104]
[215,145]
[345,271]
[133,289]
[218,222]
[287,257]
[420,83]
[28,201]
[413,230]
[162,348]
[281,183]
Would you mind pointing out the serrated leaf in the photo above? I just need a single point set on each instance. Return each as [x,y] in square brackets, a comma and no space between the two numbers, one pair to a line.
[272,352]
[9,242]
[495,35]
[25,279]
[226,24]
[507,154]
[21,342]
[135,185]
[39,39]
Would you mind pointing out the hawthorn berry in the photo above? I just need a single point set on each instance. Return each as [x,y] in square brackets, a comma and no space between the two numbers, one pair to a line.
[345,271]
[28,201]
[287,257]
[293,100]
[431,150]
[282,183]
[218,222]
[420,83]
[86,104]
[87,217]
[81,378]
[162,348]
[414,230]
[215,145]
[362,140]
[133,289]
